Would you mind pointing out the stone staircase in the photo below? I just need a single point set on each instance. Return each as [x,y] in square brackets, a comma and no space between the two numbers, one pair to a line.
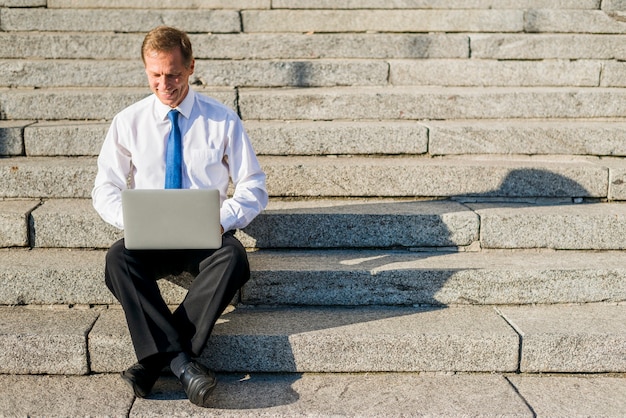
[447,183]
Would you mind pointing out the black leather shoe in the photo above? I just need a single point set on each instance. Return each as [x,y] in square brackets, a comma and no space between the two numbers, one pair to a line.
[141,379]
[198,382]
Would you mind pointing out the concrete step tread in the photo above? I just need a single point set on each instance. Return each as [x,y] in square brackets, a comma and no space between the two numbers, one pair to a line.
[321,73]
[453,137]
[359,223]
[344,277]
[359,176]
[340,395]
[553,338]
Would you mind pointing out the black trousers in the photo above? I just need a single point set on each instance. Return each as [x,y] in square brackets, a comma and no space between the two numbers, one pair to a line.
[132,276]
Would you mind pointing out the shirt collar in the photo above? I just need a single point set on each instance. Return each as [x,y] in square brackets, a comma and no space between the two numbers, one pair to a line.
[184,107]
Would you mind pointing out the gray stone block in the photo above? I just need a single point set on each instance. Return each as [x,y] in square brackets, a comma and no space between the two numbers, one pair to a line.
[14,222]
[527,137]
[548,46]
[345,395]
[362,277]
[105,46]
[432,103]
[161,4]
[72,73]
[340,45]
[613,5]
[362,340]
[308,73]
[613,74]
[419,177]
[111,20]
[44,341]
[23,3]
[439,4]
[572,395]
[337,137]
[83,103]
[581,339]
[571,227]
[110,345]
[71,223]
[64,138]
[11,137]
[47,177]
[573,21]
[59,45]
[382,20]
[65,277]
[96,395]
[449,72]
[361,223]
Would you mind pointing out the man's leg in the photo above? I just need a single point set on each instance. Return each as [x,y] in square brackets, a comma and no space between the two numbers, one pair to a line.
[220,276]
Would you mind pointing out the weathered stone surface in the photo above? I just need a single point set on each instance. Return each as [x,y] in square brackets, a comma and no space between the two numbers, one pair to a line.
[440,4]
[14,222]
[99,395]
[527,137]
[110,345]
[292,73]
[162,4]
[411,177]
[47,177]
[345,395]
[432,103]
[570,338]
[111,20]
[572,395]
[44,341]
[362,339]
[575,21]
[364,277]
[361,223]
[613,74]
[22,3]
[382,20]
[11,138]
[87,45]
[71,223]
[548,46]
[336,138]
[64,138]
[64,277]
[447,72]
[81,103]
[572,227]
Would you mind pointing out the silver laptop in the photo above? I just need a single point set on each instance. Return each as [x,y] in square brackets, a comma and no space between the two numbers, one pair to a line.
[171,219]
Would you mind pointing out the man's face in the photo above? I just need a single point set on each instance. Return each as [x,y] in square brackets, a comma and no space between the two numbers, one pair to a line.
[167,75]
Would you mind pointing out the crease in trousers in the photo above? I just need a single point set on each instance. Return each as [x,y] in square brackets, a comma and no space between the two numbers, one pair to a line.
[132,275]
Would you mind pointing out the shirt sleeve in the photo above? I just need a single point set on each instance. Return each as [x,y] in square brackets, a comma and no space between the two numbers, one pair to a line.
[250,195]
[114,164]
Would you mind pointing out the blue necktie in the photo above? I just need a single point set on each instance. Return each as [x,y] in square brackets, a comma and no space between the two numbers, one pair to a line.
[173,156]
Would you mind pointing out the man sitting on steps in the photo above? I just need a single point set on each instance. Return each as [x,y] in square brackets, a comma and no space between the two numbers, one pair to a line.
[215,147]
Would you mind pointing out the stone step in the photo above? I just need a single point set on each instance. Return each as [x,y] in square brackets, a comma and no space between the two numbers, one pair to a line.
[371,223]
[392,103]
[527,339]
[334,4]
[534,137]
[103,46]
[343,278]
[328,394]
[107,46]
[111,20]
[431,103]
[321,73]
[484,176]
[75,103]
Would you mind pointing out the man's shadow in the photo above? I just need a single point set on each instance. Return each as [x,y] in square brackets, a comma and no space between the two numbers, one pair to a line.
[380,273]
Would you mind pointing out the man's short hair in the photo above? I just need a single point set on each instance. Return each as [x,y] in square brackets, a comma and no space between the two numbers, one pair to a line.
[165,39]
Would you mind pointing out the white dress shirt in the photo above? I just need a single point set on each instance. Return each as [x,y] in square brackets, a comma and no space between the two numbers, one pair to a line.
[215,147]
